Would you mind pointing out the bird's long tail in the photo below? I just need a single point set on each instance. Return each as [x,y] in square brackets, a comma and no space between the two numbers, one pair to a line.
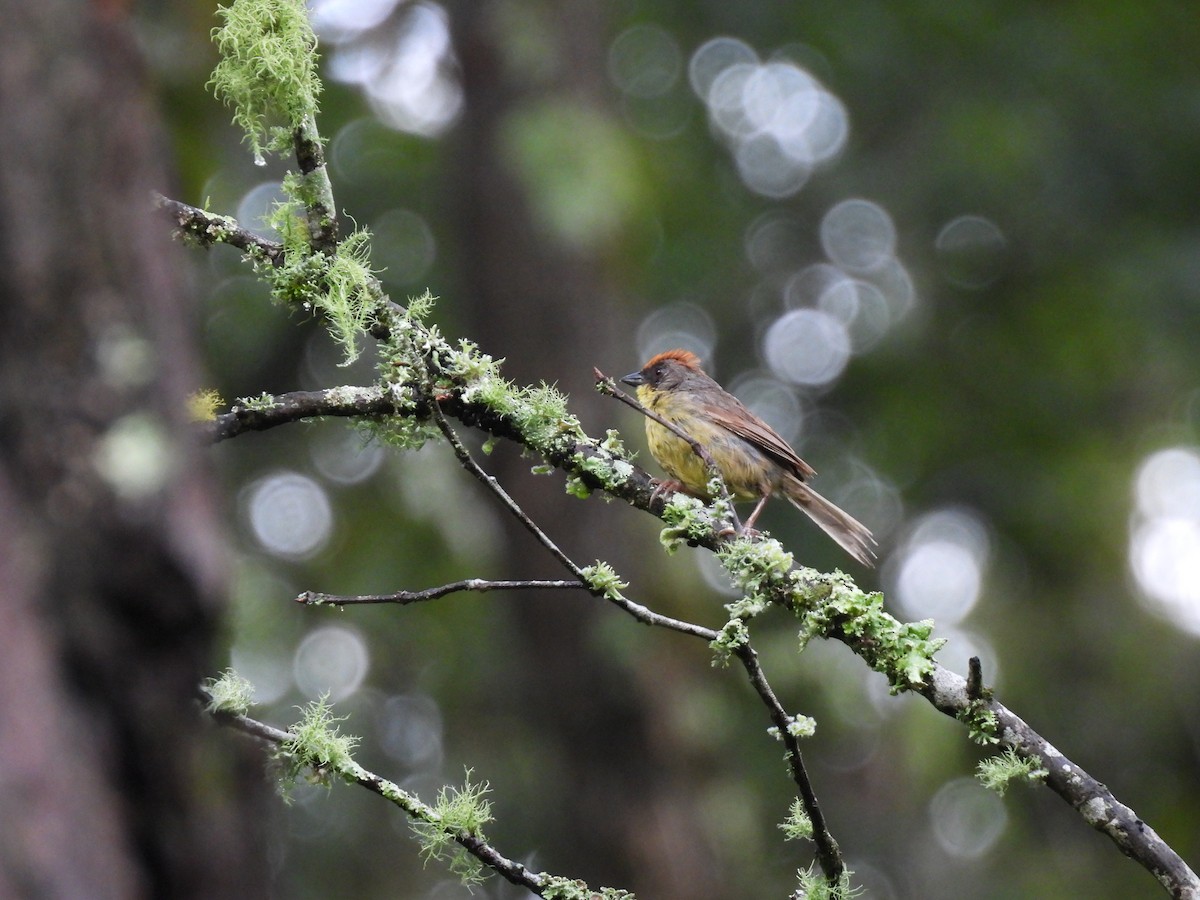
[850,533]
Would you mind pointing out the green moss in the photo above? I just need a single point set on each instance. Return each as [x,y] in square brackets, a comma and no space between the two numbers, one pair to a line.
[316,744]
[999,771]
[230,693]
[458,812]
[602,579]
[268,69]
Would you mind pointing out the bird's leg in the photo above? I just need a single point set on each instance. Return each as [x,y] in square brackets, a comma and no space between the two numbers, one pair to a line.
[748,527]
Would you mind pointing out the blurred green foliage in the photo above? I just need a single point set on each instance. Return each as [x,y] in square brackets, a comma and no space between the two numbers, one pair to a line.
[1029,399]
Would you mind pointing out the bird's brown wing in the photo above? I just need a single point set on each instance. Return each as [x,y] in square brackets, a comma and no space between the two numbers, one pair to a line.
[754,430]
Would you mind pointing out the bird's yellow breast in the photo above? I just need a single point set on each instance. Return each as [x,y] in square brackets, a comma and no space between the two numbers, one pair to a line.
[746,470]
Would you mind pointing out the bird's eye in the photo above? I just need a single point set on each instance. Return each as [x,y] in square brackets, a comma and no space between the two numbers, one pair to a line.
[658,372]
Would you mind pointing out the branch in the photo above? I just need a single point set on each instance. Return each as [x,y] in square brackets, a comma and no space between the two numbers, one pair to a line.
[949,692]
[209,228]
[945,690]
[319,205]
[269,411]
[639,612]
[512,871]
[828,853]
[403,598]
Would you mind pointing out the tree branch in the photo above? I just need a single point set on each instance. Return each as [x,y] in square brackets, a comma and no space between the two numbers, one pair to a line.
[828,854]
[403,598]
[949,692]
[269,411]
[209,228]
[478,847]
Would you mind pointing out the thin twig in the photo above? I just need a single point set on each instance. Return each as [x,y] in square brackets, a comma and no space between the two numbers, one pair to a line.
[315,598]
[607,386]
[639,612]
[828,853]
[513,871]
[510,504]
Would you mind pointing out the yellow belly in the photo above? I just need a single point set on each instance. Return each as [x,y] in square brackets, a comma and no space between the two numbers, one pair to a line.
[748,473]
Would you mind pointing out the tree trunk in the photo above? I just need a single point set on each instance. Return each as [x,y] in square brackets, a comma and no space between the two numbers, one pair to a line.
[111,576]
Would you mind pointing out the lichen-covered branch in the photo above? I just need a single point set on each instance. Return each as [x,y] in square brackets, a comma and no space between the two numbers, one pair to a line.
[457,817]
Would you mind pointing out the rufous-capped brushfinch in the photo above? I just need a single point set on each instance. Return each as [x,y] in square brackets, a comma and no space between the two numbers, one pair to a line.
[754,460]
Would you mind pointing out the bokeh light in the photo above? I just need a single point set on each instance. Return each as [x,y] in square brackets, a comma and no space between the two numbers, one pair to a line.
[406,69]
[403,247]
[289,514]
[677,325]
[967,819]
[645,61]
[331,660]
[807,347]
[256,206]
[411,731]
[1164,543]
[777,119]
[772,401]
[971,251]
[345,456]
[338,21]
[858,235]
[135,456]
[938,571]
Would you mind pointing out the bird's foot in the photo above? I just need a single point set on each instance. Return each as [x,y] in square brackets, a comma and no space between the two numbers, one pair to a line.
[662,487]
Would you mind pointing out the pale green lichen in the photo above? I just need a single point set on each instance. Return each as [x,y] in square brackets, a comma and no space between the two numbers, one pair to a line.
[458,812]
[555,887]
[229,693]
[316,744]
[812,885]
[268,69]
[603,580]
[797,727]
[999,771]
[202,405]
[262,403]
[686,521]
[797,826]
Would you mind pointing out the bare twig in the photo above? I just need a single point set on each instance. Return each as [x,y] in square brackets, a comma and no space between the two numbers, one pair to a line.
[829,855]
[314,598]
[975,689]
[639,612]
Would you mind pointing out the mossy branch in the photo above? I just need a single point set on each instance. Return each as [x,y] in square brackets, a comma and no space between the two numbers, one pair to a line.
[450,830]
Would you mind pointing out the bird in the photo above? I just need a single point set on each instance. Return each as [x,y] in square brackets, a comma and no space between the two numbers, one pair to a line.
[755,462]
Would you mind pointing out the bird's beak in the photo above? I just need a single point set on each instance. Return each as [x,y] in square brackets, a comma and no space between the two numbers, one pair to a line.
[634,378]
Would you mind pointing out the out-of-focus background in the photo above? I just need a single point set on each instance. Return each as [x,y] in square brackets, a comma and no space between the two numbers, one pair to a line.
[951,251]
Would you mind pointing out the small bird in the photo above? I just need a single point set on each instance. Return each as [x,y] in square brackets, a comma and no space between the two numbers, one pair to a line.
[754,460]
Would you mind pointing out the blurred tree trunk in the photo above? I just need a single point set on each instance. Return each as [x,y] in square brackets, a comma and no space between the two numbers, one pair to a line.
[110,572]
[625,814]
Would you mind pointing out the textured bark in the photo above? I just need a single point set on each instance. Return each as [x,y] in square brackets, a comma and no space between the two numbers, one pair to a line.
[110,574]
